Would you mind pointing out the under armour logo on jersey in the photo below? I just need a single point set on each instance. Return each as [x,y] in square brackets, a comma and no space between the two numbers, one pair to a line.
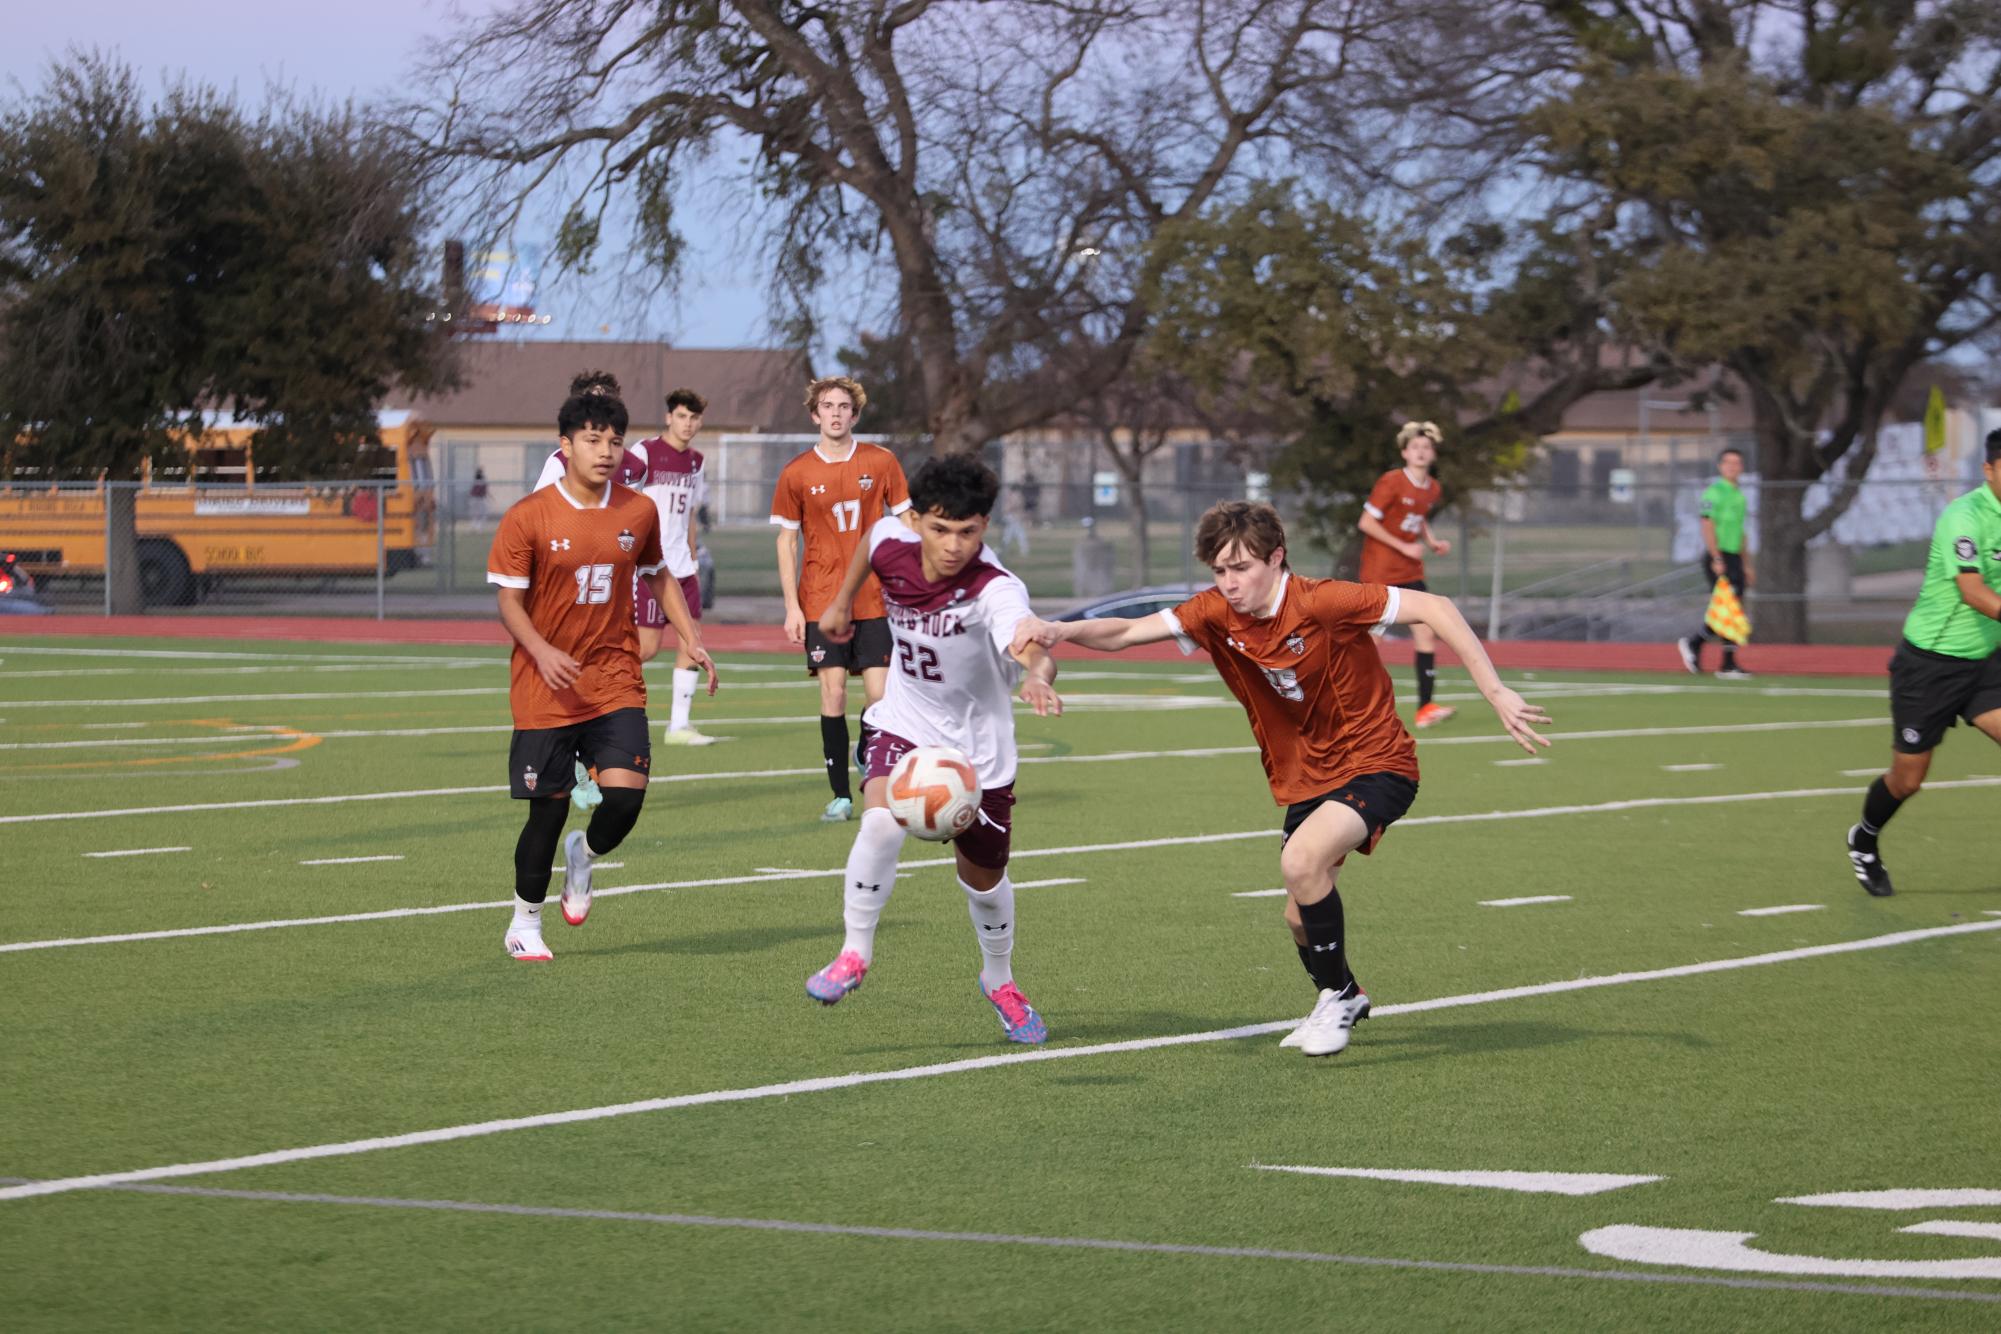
[559,544]
[817,490]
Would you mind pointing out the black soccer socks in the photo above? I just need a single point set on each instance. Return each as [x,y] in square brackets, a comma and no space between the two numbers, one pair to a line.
[1325,952]
[614,818]
[1427,676]
[1877,808]
[535,850]
[834,744]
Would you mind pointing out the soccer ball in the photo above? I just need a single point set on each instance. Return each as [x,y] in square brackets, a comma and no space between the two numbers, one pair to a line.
[934,793]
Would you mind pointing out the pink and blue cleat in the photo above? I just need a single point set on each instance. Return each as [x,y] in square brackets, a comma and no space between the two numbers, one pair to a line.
[838,978]
[1018,1018]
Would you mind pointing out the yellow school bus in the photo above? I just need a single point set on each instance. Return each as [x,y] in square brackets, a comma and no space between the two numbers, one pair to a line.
[213,519]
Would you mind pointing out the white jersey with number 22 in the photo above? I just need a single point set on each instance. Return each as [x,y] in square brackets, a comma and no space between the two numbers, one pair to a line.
[951,679]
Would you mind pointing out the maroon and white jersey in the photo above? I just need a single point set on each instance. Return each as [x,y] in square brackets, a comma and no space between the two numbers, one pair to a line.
[952,680]
[677,486]
[631,470]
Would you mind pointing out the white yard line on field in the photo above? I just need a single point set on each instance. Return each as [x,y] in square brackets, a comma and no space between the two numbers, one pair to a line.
[1781,909]
[353,861]
[876,1232]
[1258,894]
[1524,901]
[797,1087]
[1689,768]
[1019,854]
[137,852]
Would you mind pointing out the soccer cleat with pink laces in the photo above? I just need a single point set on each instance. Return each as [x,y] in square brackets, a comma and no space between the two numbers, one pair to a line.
[838,978]
[1018,1018]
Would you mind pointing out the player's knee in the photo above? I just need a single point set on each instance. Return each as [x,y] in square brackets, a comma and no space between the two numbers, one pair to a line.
[614,818]
[878,823]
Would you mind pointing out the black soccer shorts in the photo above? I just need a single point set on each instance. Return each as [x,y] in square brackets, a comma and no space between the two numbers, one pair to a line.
[542,762]
[1931,692]
[869,646]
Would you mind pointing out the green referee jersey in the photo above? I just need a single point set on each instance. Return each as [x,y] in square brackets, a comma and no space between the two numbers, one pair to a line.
[1723,505]
[1967,540]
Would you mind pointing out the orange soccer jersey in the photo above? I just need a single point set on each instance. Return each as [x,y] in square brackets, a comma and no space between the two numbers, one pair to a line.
[1315,688]
[834,504]
[1401,506]
[576,563]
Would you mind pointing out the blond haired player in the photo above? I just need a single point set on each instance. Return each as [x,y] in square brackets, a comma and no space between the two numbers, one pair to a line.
[1296,653]
[564,559]
[1396,529]
[831,496]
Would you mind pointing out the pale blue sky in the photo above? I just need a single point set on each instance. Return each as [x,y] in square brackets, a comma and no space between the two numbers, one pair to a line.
[365,49]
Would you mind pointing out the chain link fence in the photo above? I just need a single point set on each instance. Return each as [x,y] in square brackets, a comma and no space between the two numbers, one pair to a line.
[1600,558]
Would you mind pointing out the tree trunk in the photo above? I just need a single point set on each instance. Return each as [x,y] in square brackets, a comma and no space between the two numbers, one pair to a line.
[1779,565]
[1142,556]
[121,556]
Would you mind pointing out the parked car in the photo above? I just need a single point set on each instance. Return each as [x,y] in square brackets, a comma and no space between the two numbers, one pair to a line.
[1133,603]
[17,589]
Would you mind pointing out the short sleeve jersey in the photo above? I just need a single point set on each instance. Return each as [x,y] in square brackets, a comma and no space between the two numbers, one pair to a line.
[1318,696]
[631,468]
[678,486]
[1402,506]
[576,563]
[951,681]
[1966,540]
[834,503]
[1723,505]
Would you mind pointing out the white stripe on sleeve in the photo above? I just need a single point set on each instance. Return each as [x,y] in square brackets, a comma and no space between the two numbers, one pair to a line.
[505,580]
[1188,645]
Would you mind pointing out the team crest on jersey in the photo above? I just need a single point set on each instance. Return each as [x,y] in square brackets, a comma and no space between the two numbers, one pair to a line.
[817,655]
[1965,549]
[528,777]
[626,541]
[865,481]
[1297,643]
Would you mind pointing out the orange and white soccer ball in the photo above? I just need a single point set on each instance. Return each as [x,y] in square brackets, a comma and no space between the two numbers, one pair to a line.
[934,793]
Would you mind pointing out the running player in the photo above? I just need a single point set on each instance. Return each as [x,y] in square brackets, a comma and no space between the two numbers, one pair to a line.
[584,793]
[1295,652]
[564,560]
[1948,664]
[676,484]
[1723,557]
[832,495]
[1396,528]
[953,611]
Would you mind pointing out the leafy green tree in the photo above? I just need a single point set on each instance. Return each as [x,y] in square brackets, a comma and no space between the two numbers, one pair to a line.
[159,261]
[1808,196]
[1324,331]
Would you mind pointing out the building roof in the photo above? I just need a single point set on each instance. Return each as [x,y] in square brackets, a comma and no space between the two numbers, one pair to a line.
[518,382]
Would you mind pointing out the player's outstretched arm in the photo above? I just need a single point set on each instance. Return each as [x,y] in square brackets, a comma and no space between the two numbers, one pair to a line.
[837,621]
[558,670]
[1107,634]
[1517,715]
[1038,686]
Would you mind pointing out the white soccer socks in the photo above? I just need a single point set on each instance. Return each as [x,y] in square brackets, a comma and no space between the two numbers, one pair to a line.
[992,912]
[870,876]
[684,697]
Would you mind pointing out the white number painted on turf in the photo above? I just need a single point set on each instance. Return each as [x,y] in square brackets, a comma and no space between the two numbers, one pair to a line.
[593,585]
[1694,1248]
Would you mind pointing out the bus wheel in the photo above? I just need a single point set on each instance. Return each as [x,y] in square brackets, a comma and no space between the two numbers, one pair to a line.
[164,577]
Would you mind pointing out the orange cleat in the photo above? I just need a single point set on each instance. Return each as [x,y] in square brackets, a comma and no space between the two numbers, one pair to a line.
[1433,713]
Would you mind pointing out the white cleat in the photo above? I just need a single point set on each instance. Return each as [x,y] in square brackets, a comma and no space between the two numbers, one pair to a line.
[525,944]
[1691,654]
[576,878]
[687,736]
[1326,1030]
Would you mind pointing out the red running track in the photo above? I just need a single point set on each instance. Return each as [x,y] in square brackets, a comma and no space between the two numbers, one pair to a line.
[1509,655]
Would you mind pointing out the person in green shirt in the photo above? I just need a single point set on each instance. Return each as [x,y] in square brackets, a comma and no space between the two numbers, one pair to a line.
[1723,556]
[1948,665]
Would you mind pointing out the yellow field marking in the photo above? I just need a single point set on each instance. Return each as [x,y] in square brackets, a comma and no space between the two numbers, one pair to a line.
[293,738]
